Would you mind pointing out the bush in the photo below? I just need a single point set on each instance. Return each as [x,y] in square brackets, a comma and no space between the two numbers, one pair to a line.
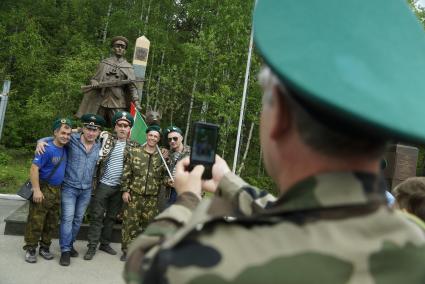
[4,159]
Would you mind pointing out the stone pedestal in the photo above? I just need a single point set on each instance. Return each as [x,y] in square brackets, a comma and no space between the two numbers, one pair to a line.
[401,164]
[15,225]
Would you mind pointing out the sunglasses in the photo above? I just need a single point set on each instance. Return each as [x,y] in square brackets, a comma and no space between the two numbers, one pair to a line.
[173,139]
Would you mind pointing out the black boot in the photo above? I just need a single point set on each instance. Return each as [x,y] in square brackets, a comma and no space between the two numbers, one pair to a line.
[65,258]
[90,253]
[107,248]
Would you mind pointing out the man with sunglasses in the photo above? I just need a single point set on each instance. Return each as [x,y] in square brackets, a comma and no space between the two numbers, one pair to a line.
[106,201]
[177,152]
[109,100]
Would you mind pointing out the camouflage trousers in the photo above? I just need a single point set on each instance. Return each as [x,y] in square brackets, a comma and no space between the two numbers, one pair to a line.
[43,218]
[139,212]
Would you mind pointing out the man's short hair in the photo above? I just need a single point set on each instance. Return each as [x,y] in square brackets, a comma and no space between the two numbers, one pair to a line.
[324,138]
[410,195]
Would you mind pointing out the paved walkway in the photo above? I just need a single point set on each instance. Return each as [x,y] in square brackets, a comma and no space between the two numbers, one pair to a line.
[103,268]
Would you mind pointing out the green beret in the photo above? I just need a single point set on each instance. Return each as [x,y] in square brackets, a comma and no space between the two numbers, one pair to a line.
[58,123]
[115,38]
[92,121]
[360,62]
[173,128]
[123,115]
[154,128]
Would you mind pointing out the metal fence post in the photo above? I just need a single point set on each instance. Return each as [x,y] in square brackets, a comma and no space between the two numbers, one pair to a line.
[3,104]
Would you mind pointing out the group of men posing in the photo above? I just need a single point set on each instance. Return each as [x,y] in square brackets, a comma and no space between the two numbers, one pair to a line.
[68,173]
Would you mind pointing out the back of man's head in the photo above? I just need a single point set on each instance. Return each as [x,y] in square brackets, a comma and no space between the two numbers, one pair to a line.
[321,131]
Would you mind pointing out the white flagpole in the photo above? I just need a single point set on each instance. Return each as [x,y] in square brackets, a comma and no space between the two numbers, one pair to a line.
[245,87]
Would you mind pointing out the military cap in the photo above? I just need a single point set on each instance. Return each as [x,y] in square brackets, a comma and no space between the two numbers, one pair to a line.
[115,38]
[123,115]
[344,59]
[92,121]
[173,128]
[58,123]
[154,128]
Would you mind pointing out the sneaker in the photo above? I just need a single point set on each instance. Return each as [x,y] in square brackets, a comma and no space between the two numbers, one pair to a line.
[74,252]
[45,253]
[90,253]
[30,255]
[107,248]
[123,256]
[65,258]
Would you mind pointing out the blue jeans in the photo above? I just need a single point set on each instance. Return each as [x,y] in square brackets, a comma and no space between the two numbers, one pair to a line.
[74,202]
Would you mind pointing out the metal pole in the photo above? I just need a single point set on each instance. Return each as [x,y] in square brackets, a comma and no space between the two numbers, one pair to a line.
[245,87]
[3,104]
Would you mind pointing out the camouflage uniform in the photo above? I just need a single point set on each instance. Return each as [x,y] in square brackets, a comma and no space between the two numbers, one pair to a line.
[44,218]
[336,224]
[142,176]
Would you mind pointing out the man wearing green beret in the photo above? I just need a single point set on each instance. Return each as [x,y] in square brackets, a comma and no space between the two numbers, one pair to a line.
[106,201]
[142,176]
[337,83]
[83,153]
[47,173]
[177,152]
[106,101]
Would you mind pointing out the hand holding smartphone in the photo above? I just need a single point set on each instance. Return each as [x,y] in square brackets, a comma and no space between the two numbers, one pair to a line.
[204,147]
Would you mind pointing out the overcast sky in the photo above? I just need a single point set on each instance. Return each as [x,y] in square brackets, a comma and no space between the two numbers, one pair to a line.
[421,3]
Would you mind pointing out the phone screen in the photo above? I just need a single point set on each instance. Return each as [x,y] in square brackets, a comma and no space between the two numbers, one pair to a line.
[204,146]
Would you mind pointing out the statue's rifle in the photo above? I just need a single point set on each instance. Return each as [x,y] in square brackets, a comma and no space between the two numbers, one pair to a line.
[109,84]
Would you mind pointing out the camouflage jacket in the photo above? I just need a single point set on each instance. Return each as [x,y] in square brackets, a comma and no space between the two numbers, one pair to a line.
[143,172]
[330,228]
[106,150]
[176,156]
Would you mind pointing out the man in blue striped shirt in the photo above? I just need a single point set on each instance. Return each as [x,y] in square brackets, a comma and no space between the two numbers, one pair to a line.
[107,196]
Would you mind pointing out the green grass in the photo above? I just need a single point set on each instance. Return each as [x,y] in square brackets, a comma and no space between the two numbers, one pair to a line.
[14,168]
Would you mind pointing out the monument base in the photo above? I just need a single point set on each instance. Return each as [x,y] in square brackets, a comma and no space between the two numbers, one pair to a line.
[16,222]
[401,164]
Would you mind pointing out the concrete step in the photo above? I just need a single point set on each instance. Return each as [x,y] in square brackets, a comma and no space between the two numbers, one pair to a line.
[15,225]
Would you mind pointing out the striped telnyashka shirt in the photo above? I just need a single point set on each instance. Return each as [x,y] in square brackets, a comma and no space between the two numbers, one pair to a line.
[114,165]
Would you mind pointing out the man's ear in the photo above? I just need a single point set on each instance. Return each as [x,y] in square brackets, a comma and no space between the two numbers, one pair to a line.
[281,119]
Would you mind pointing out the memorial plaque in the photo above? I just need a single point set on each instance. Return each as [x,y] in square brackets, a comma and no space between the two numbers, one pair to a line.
[401,164]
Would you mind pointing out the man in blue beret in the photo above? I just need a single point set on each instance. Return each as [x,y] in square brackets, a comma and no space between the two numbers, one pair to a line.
[83,153]
[340,80]
[106,201]
[47,173]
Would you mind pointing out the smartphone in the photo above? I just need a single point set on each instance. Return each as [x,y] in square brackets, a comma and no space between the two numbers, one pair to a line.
[203,147]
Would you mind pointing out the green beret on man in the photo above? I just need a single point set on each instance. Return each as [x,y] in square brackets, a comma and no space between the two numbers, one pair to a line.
[173,128]
[60,121]
[154,128]
[92,121]
[123,115]
[333,62]
[116,38]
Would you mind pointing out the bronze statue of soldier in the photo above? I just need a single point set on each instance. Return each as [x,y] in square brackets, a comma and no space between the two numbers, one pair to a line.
[112,88]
